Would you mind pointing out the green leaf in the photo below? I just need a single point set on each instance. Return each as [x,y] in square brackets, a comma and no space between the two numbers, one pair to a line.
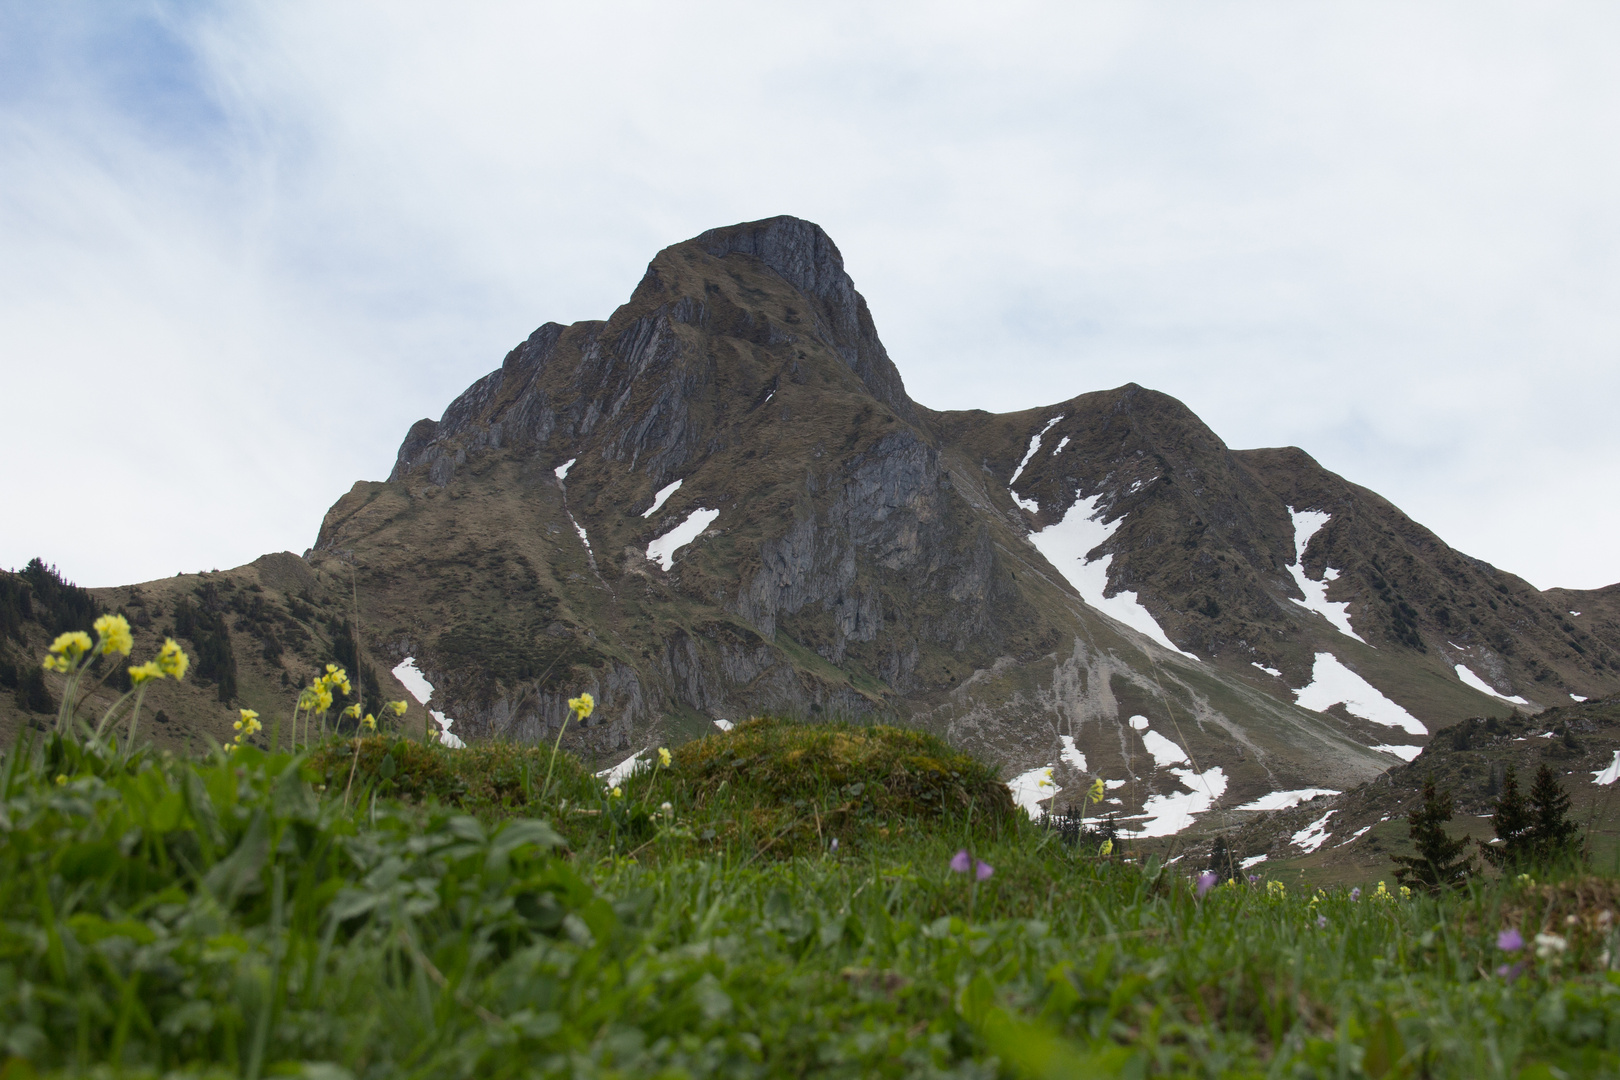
[238,873]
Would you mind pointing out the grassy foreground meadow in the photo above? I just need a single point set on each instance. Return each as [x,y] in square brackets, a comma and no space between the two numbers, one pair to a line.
[779,900]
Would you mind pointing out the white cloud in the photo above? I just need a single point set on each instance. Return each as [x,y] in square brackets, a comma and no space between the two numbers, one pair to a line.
[299,227]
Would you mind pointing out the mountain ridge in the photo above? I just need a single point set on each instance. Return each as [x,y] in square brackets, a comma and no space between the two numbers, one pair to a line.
[1030,584]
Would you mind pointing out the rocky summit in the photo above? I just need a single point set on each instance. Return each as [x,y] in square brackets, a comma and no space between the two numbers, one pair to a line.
[721,502]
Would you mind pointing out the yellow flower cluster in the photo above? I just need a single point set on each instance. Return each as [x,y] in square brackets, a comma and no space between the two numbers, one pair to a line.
[247,724]
[1095,794]
[113,634]
[663,756]
[583,705]
[369,722]
[67,650]
[318,696]
[1276,888]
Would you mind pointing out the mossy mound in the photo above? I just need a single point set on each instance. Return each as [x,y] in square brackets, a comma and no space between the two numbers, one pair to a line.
[877,770]
[484,778]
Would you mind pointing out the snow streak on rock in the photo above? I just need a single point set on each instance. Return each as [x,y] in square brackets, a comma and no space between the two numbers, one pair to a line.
[1474,681]
[1071,754]
[412,679]
[616,775]
[658,499]
[662,550]
[1066,546]
[1307,523]
[1332,684]
[562,470]
[1034,447]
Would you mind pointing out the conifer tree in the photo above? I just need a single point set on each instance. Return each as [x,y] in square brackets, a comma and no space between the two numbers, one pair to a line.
[1440,861]
[1220,861]
[1512,822]
[1555,838]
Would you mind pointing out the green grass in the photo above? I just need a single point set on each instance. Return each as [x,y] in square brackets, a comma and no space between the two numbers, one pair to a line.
[262,915]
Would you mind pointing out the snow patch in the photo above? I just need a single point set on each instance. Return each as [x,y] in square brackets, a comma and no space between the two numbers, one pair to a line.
[1031,505]
[1273,672]
[1138,723]
[1357,835]
[1032,788]
[1576,614]
[663,549]
[1332,684]
[1405,753]
[1474,681]
[1165,752]
[1282,800]
[1065,442]
[1114,785]
[1576,697]
[1251,862]
[1166,815]
[416,684]
[1071,754]
[1605,777]
[1034,446]
[1311,836]
[562,470]
[586,540]
[723,725]
[658,499]
[1307,523]
[616,775]
[1066,545]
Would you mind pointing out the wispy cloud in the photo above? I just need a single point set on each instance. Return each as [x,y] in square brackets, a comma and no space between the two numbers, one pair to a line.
[242,247]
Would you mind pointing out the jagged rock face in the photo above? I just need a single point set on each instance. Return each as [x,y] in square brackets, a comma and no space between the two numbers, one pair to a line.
[853,552]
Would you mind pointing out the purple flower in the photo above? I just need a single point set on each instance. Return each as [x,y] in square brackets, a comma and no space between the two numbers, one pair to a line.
[1509,940]
[1253,878]
[835,843]
[1206,882]
[982,870]
[961,862]
[1355,893]
[1321,922]
[1511,972]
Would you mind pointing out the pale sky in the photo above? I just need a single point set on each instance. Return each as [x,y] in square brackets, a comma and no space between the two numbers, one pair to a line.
[244,246]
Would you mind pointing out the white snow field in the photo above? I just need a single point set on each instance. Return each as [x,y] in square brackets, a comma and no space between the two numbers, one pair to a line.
[1071,754]
[1034,447]
[1282,800]
[1251,861]
[1031,505]
[1311,836]
[1332,684]
[1066,545]
[723,725]
[1030,789]
[586,540]
[412,679]
[1138,723]
[662,550]
[1605,777]
[1576,697]
[1357,835]
[1065,442]
[1273,672]
[1475,682]
[1405,753]
[562,470]
[663,494]
[1307,523]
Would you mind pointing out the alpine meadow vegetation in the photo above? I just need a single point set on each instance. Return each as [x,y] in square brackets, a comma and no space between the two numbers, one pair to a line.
[782,899]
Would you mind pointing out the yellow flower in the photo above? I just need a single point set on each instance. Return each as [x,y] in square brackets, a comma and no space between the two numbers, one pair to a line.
[398,707]
[56,663]
[618,793]
[1107,848]
[583,705]
[69,647]
[247,715]
[1406,893]
[331,669]
[144,672]
[1096,792]
[1276,888]
[1382,893]
[113,630]
[172,659]
[343,684]
[352,711]
[369,723]
[61,780]
[663,757]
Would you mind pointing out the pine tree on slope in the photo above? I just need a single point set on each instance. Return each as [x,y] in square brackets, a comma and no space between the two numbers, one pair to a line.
[1440,861]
